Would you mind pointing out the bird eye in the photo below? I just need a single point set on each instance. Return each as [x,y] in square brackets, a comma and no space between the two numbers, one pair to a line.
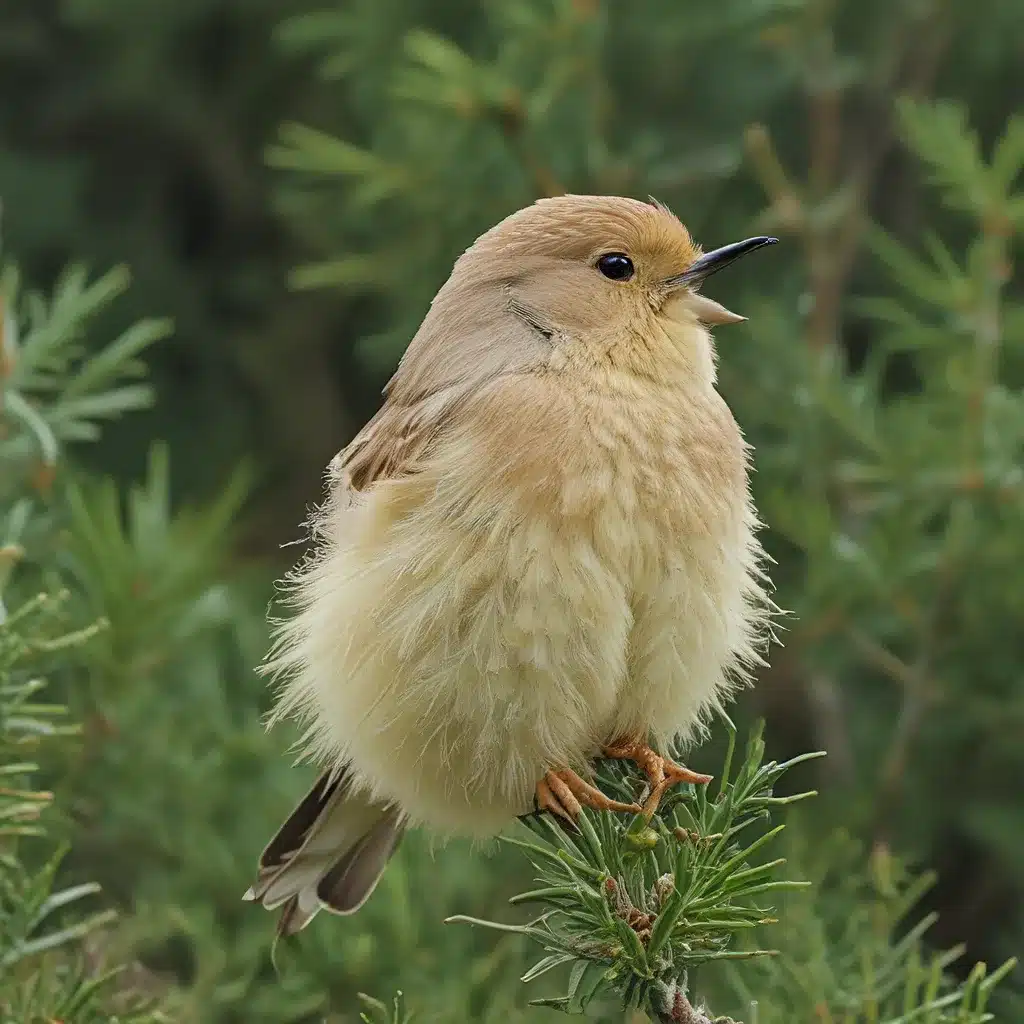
[616,265]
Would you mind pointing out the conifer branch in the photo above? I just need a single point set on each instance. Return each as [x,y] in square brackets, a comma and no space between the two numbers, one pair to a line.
[53,391]
[634,907]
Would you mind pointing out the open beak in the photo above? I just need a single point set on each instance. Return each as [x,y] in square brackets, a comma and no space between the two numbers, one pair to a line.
[708,311]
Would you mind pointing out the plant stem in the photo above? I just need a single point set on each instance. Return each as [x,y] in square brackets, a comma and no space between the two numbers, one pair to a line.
[669,1005]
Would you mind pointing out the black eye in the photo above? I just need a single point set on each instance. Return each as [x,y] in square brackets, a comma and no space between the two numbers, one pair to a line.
[616,265]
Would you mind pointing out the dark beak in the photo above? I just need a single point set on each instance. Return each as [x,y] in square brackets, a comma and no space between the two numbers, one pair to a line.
[716,260]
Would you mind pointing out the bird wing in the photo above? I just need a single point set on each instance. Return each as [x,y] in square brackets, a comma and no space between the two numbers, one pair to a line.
[455,353]
[393,442]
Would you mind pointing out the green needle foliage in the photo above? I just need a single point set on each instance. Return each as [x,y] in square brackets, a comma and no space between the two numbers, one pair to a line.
[380,1013]
[55,391]
[637,907]
[43,973]
[856,952]
[52,392]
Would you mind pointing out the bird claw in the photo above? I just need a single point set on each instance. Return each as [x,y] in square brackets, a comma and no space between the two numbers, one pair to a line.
[661,772]
[564,794]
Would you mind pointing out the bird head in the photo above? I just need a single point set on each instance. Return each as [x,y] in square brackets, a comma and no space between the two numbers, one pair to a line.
[603,273]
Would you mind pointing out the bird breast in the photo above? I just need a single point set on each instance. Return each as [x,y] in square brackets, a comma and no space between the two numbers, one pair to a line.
[568,564]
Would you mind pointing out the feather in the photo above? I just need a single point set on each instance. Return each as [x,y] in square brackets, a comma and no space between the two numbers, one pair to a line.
[333,824]
[435,378]
[348,885]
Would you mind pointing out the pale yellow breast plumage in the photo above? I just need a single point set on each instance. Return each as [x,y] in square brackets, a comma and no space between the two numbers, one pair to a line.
[568,563]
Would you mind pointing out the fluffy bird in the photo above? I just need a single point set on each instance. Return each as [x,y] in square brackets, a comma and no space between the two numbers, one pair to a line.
[541,550]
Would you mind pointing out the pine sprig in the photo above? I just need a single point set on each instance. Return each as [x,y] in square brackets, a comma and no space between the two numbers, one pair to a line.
[43,977]
[857,951]
[633,907]
[54,390]
[381,1013]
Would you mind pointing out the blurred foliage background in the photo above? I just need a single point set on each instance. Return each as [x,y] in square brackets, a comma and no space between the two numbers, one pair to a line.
[289,187]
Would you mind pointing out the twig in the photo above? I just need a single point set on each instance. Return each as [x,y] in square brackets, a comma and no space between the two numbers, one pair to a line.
[511,118]
[917,695]
[672,1007]
[830,716]
[883,659]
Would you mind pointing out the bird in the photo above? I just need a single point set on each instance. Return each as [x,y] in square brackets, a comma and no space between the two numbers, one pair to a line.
[540,551]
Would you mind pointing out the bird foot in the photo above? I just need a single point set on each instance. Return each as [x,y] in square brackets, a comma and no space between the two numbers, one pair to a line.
[662,773]
[564,794]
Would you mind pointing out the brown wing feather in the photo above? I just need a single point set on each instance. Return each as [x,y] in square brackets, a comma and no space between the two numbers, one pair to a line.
[464,342]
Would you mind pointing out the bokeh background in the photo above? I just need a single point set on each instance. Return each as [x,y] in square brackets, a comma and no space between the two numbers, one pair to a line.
[289,186]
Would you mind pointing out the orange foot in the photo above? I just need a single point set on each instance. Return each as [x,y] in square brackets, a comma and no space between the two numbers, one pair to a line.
[563,793]
[661,772]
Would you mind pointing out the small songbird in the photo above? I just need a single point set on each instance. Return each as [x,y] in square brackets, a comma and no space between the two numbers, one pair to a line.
[541,550]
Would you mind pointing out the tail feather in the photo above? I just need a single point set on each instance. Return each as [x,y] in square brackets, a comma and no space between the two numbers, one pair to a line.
[349,883]
[328,854]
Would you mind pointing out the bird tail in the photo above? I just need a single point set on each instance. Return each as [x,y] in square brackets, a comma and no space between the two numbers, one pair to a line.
[329,854]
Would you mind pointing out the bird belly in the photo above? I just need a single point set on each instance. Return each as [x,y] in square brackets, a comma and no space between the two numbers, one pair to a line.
[695,632]
[453,651]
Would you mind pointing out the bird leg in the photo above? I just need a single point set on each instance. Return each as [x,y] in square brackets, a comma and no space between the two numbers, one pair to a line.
[660,771]
[564,794]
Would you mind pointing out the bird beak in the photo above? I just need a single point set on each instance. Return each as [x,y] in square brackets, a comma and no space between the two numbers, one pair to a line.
[707,310]
[716,260]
